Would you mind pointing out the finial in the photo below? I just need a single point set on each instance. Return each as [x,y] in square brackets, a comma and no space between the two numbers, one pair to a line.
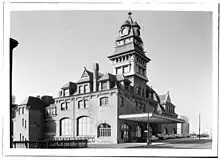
[84,67]
[129,13]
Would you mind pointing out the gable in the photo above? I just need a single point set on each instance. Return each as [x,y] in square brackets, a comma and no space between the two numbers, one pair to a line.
[168,98]
[84,74]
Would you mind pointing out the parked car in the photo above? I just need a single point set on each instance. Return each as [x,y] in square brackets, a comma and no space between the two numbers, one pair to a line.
[154,138]
[179,136]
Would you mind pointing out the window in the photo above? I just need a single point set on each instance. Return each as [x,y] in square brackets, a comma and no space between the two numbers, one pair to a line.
[52,110]
[84,126]
[104,130]
[144,72]
[86,89]
[143,107]
[80,89]
[80,104]
[22,110]
[66,127]
[138,90]
[103,85]
[121,101]
[126,69]
[25,124]
[86,103]
[20,136]
[119,70]
[138,131]
[66,92]
[140,70]
[22,121]
[63,106]
[103,101]
[67,105]
[142,94]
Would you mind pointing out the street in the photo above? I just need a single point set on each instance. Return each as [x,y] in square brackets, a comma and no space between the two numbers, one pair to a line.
[182,143]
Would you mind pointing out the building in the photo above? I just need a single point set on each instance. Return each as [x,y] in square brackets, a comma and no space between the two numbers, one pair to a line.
[13,44]
[108,107]
[183,128]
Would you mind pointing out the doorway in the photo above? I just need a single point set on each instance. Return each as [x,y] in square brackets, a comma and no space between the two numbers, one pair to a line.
[125,133]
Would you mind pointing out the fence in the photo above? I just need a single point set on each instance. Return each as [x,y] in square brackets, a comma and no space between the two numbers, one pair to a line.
[77,143]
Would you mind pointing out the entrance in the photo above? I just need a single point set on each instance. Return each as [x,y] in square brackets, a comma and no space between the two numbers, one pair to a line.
[125,133]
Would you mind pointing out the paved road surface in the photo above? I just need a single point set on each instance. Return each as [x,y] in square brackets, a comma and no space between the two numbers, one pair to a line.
[182,143]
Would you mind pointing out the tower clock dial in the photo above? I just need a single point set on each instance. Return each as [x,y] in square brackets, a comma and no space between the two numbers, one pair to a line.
[124,31]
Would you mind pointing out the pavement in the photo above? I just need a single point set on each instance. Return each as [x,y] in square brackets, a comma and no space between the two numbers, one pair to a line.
[181,143]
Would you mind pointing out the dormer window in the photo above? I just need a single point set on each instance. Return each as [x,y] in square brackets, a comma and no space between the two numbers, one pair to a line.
[80,89]
[66,92]
[86,88]
[104,85]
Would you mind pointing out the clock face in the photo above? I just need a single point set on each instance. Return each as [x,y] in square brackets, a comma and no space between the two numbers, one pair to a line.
[124,32]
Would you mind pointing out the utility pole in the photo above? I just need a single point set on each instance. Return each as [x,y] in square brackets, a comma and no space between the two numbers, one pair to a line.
[199,126]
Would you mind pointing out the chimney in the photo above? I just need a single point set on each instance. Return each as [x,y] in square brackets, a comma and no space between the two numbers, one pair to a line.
[95,76]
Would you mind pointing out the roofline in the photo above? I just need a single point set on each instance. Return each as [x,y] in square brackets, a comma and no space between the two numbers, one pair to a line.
[130,51]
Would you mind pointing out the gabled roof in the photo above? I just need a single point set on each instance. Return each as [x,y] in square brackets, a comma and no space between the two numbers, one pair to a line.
[108,76]
[165,98]
[86,76]
[68,85]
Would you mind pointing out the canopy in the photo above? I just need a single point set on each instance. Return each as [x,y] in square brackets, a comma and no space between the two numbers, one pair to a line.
[153,118]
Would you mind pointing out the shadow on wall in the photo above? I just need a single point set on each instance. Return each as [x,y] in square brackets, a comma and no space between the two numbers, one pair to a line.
[49,128]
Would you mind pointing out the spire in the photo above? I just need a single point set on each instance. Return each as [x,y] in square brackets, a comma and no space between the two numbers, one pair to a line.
[129,17]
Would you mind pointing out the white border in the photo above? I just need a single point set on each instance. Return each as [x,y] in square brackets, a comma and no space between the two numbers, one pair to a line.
[107,152]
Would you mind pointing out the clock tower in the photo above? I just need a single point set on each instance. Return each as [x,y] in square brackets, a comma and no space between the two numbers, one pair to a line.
[129,57]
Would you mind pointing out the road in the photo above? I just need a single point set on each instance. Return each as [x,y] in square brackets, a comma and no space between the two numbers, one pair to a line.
[182,143]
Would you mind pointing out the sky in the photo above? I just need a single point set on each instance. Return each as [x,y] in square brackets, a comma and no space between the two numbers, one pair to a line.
[54,46]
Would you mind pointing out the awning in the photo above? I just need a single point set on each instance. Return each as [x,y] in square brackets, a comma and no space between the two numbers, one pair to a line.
[153,118]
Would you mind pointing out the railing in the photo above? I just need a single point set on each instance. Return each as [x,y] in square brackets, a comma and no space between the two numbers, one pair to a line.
[90,139]
[79,143]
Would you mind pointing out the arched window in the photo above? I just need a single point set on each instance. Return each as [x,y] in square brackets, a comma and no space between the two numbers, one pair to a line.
[84,126]
[138,131]
[104,130]
[66,127]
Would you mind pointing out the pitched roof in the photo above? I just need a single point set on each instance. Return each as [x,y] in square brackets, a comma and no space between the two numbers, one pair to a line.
[108,76]
[86,76]
[121,77]
[68,85]
[165,98]
[30,100]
